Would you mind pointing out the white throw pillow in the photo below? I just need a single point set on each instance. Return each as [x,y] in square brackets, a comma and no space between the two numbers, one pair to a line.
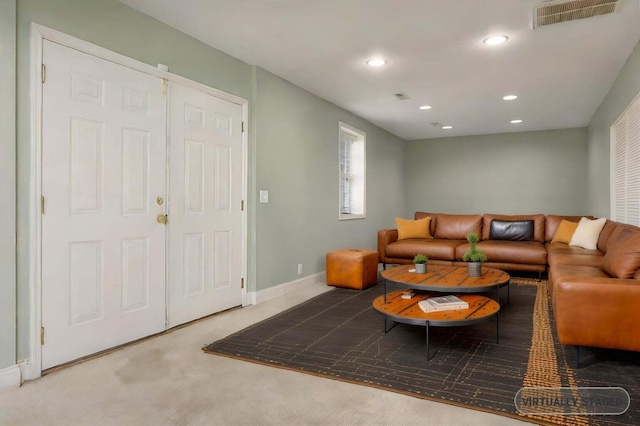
[587,233]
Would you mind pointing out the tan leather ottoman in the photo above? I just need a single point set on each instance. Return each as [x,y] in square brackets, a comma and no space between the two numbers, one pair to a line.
[352,268]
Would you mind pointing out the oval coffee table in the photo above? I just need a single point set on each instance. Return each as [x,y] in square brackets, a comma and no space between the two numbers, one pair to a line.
[407,311]
[448,279]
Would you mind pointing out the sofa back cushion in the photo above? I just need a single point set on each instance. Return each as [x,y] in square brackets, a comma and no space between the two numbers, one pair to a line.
[433,216]
[607,231]
[457,226]
[553,221]
[622,260]
[511,230]
[611,232]
[538,224]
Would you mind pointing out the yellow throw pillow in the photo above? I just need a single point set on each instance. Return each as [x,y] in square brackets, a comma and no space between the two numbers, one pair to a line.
[565,232]
[413,228]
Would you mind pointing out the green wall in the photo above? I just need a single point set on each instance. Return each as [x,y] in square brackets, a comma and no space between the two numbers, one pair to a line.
[511,173]
[297,162]
[293,153]
[112,25]
[293,145]
[7,183]
[624,90]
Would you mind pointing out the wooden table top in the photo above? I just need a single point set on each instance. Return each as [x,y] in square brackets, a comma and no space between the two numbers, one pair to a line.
[407,311]
[447,278]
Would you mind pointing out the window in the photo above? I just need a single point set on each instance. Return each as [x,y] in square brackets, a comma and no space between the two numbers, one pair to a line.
[352,172]
[625,165]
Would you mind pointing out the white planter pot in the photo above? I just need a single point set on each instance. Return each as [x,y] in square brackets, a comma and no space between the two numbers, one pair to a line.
[421,268]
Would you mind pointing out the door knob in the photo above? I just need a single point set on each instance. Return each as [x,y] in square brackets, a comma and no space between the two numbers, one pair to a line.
[162,218]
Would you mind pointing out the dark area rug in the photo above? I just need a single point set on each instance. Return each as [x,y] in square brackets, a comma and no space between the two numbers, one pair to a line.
[339,335]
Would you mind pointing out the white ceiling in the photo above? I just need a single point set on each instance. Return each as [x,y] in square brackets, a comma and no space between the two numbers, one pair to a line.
[435,54]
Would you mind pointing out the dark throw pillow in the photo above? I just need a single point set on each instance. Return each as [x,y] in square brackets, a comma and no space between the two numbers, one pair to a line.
[511,230]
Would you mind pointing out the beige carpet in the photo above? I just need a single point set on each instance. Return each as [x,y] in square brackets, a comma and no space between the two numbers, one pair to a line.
[168,380]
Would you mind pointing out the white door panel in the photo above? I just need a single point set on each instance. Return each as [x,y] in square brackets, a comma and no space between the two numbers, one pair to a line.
[205,216]
[103,166]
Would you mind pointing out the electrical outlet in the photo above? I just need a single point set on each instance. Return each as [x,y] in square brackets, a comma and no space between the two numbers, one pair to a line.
[299,268]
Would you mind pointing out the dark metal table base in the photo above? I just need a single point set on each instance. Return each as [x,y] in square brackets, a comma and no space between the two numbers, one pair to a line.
[429,355]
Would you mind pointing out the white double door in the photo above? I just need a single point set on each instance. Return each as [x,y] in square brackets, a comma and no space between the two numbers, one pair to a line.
[111,271]
[205,216]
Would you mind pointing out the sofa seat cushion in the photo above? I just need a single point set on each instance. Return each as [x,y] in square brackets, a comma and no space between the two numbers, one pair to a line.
[563,272]
[558,272]
[524,252]
[555,258]
[432,248]
[562,248]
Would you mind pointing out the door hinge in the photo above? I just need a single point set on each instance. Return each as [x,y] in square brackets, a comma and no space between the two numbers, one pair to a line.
[42,335]
[242,205]
[243,127]
[44,73]
[42,204]
[242,283]
[164,86]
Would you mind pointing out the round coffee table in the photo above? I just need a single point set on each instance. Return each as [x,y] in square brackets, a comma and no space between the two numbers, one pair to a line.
[448,279]
[407,311]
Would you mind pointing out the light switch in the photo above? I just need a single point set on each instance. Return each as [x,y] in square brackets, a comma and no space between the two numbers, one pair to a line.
[264,196]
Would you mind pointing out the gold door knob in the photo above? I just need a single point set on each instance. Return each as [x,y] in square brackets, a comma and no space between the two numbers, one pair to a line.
[162,218]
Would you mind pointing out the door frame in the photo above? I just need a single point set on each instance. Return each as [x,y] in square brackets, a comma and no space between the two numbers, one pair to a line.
[32,367]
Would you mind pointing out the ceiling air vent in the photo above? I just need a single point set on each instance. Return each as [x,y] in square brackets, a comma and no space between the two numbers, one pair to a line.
[558,11]
[401,96]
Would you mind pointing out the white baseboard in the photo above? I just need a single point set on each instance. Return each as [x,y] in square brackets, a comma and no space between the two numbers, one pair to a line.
[261,296]
[28,370]
[10,378]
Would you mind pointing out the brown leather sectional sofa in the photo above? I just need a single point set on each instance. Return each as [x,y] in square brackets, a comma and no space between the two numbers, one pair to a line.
[450,242]
[595,296]
[591,306]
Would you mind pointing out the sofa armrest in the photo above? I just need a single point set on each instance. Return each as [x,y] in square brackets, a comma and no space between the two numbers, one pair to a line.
[598,312]
[385,237]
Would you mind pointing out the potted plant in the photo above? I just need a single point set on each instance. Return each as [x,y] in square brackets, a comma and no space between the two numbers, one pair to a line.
[473,256]
[421,263]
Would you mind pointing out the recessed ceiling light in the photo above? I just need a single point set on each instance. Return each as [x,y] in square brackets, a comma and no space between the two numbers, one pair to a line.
[376,62]
[425,107]
[516,121]
[447,127]
[493,40]
[509,97]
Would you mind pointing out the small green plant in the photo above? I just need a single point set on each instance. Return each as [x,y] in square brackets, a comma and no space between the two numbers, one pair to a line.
[420,259]
[473,254]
